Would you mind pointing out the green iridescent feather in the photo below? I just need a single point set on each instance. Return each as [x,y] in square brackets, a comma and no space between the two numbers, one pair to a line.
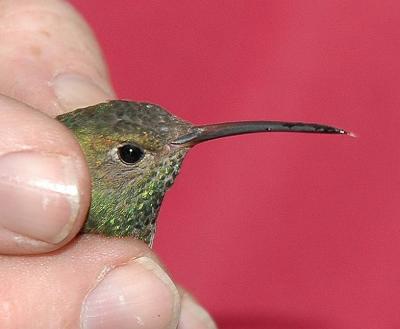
[126,198]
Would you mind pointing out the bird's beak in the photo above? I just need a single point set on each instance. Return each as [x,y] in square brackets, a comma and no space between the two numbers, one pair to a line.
[208,132]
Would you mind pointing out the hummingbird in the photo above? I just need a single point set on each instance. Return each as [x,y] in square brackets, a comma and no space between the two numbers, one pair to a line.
[134,151]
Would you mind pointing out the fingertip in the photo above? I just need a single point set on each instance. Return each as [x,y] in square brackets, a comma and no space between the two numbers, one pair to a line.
[61,68]
[44,181]
[140,282]
[96,282]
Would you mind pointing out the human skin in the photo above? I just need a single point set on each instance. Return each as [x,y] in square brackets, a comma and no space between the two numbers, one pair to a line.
[51,277]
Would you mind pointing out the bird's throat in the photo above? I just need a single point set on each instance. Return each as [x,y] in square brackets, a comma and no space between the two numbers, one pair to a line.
[132,210]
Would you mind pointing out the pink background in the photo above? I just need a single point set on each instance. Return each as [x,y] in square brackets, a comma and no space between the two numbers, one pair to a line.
[274,231]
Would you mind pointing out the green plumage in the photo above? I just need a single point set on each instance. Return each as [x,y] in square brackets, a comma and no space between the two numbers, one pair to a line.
[126,198]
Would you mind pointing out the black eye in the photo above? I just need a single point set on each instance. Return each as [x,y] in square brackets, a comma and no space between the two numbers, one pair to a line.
[130,154]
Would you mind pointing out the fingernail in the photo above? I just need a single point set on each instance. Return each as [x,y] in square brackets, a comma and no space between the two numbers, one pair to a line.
[39,197]
[76,91]
[138,294]
[193,316]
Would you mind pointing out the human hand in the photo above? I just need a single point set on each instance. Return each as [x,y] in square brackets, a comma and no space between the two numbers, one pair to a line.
[51,64]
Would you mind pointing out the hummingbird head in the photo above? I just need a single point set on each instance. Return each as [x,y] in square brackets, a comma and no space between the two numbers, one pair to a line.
[132,163]
[134,152]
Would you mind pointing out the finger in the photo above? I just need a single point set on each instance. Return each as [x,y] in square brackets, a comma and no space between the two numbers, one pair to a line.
[49,58]
[94,282]
[44,181]
[193,315]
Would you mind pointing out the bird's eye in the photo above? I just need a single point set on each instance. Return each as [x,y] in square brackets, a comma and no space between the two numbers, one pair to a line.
[130,154]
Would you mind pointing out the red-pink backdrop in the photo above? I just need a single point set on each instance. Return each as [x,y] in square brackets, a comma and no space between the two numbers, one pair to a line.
[274,231]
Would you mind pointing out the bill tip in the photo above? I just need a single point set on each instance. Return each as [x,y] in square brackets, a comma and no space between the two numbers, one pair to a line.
[349,133]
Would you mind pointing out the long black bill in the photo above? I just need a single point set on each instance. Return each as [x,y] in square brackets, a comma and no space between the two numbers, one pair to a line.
[208,132]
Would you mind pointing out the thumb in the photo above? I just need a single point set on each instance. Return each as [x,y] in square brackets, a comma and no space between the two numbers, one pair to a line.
[44,180]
